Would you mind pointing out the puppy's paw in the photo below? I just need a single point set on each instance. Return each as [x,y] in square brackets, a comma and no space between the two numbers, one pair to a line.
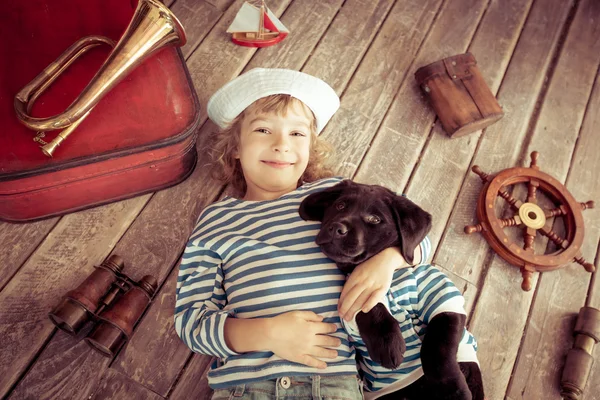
[387,351]
[382,336]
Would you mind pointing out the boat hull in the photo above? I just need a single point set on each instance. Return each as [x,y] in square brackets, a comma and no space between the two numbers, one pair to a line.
[259,42]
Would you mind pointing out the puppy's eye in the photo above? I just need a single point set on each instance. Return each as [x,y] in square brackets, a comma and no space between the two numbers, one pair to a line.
[373,219]
[340,206]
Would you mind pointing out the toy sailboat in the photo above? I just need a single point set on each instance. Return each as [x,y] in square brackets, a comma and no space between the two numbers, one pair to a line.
[256,27]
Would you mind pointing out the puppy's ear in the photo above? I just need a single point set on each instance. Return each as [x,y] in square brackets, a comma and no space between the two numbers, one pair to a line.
[313,207]
[412,224]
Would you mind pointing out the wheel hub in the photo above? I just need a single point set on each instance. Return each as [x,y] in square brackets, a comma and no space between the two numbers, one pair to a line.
[532,215]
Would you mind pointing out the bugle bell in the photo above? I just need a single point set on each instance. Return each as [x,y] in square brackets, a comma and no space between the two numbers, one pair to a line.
[152,27]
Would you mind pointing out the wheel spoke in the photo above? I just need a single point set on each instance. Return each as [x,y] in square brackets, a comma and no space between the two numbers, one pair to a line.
[514,203]
[550,234]
[531,191]
[529,237]
[556,212]
[512,221]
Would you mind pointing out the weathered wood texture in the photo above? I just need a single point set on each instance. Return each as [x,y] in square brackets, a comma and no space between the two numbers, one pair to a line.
[499,147]
[560,294]
[394,144]
[66,256]
[198,18]
[434,191]
[589,145]
[554,133]
[437,192]
[194,383]
[18,242]
[308,21]
[348,38]
[116,386]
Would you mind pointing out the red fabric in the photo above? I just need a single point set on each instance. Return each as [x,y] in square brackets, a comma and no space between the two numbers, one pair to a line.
[150,105]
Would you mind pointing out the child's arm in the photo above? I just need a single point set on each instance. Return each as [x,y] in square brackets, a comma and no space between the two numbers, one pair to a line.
[371,280]
[205,327]
[200,299]
[297,336]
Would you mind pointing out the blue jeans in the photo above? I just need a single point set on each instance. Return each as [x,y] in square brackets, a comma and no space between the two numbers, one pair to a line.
[340,387]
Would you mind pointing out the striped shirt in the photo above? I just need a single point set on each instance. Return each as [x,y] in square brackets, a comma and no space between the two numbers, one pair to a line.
[416,296]
[252,259]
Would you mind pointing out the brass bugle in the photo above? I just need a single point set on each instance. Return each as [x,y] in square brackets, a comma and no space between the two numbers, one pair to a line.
[152,27]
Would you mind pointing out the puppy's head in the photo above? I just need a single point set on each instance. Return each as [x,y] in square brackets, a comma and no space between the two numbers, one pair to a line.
[358,221]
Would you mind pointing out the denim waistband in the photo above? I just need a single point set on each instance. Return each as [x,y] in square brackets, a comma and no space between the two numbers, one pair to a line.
[338,387]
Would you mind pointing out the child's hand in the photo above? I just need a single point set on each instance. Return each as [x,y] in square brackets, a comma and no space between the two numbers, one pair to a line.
[369,282]
[300,336]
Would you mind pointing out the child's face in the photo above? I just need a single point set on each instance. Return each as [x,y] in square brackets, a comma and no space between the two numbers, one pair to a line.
[274,151]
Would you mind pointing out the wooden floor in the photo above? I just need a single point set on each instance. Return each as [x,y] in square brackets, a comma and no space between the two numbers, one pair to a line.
[540,57]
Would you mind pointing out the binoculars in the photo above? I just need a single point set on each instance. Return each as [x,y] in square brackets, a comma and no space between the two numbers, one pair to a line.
[109,299]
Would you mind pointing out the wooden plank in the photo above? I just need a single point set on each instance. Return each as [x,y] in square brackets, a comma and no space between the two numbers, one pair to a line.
[592,389]
[501,312]
[216,60]
[221,5]
[198,18]
[347,39]
[18,242]
[52,376]
[117,386]
[67,255]
[405,128]
[500,145]
[435,191]
[562,293]
[156,355]
[376,80]
[194,383]
[307,21]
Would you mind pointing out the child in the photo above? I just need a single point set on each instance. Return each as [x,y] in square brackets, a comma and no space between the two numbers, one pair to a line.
[254,289]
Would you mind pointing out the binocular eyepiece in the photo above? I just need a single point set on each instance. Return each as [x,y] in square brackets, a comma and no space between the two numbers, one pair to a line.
[108,298]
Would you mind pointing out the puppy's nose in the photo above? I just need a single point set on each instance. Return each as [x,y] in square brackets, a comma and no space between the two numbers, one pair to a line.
[338,229]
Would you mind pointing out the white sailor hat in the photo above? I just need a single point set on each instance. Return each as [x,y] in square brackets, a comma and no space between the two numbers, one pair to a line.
[229,101]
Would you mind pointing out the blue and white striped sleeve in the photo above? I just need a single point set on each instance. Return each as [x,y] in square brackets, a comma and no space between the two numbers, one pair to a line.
[424,252]
[436,293]
[200,298]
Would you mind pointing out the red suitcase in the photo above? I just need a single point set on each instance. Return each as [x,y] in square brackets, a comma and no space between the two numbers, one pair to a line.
[139,138]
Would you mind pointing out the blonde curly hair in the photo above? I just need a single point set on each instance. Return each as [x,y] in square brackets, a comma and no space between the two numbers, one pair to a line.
[226,168]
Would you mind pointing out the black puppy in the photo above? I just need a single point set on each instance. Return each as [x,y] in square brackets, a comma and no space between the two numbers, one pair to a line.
[359,221]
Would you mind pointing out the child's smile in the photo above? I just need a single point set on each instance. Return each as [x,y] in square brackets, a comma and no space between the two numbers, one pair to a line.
[278,164]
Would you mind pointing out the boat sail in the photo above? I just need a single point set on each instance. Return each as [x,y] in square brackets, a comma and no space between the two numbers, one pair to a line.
[256,27]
